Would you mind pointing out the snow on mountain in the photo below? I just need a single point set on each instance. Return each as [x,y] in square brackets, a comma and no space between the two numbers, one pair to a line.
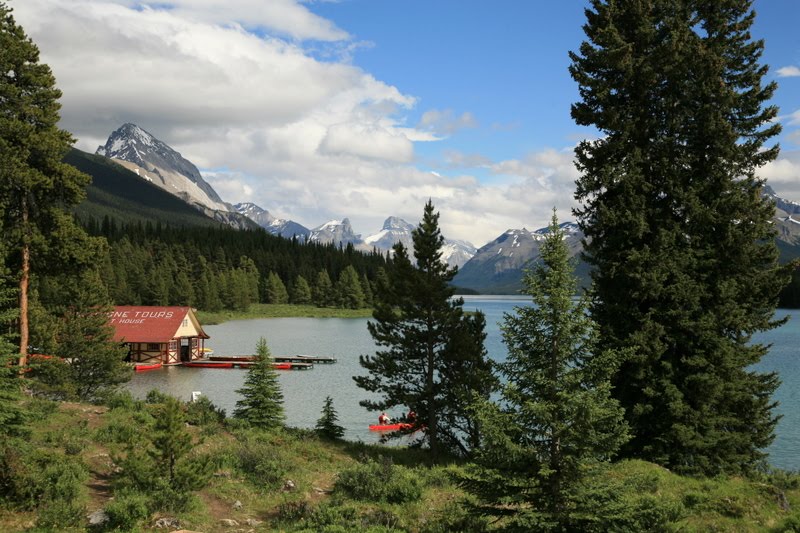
[339,232]
[137,150]
[498,266]
[395,229]
[275,226]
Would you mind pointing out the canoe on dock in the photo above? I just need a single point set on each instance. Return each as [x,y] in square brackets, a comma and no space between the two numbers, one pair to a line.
[304,359]
[144,367]
[208,364]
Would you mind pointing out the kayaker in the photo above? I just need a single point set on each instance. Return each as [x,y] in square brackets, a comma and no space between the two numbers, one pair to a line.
[411,417]
[384,419]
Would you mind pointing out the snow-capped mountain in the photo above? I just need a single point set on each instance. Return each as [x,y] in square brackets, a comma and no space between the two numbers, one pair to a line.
[787,217]
[498,266]
[395,229]
[154,160]
[275,226]
[337,232]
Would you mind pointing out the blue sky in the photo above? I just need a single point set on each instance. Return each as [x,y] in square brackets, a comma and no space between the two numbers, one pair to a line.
[363,109]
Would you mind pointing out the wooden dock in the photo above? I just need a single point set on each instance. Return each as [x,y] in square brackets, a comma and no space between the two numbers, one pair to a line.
[246,361]
[311,359]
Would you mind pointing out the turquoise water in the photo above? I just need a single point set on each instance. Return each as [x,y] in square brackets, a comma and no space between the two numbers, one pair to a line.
[346,339]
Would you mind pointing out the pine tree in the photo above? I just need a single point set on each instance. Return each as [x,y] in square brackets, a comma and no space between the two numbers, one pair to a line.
[261,404]
[677,231]
[301,291]
[348,289]
[323,290]
[12,414]
[327,426]
[416,324]
[557,417]
[36,188]
[276,290]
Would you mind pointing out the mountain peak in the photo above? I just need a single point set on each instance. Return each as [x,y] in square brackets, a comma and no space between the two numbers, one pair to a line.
[138,150]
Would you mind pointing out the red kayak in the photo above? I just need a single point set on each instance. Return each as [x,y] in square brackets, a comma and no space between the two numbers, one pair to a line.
[143,367]
[389,427]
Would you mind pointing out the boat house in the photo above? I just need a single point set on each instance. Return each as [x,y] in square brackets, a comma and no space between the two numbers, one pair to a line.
[169,335]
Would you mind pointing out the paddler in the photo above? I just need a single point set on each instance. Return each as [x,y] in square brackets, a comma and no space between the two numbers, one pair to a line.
[384,419]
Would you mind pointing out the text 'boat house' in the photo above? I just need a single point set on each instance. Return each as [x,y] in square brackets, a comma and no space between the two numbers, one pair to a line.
[169,335]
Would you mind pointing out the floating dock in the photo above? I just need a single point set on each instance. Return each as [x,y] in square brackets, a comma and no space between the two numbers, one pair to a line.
[312,359]
[246,361]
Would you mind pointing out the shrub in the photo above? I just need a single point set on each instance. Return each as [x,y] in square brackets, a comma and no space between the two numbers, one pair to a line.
[126,511]
[124,400]
[379,481]
[203,412]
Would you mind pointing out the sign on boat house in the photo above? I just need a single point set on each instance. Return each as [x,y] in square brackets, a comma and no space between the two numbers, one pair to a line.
[168,335]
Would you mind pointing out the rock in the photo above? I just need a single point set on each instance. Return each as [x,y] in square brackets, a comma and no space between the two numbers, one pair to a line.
[237,505]
[320,490]
[289,485]
[98,518]
[167,523]
[228,522]
[252,522]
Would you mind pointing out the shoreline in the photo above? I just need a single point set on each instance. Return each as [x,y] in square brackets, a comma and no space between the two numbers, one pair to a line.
[213,318]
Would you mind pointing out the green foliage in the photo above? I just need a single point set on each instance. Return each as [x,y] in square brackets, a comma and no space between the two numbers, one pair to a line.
[322,293]
[301,291]
[261,402]
[276,290]
[680,238]
[161,464]
[127,511]
[417,327]
[379,481]
[327,426]
[73,324]
[557,417]
[261,466]
[203,412]
[350,294]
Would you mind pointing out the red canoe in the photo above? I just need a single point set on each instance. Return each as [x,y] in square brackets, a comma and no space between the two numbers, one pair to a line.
[201,364]
[142,367]
[389,427]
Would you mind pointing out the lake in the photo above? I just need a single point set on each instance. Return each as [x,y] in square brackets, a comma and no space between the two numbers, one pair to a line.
[305,390]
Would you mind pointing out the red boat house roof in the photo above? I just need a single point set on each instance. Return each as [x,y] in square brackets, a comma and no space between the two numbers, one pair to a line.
[153,333]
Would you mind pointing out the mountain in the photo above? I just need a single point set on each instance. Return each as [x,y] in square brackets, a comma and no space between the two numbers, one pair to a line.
[338,232]
[156,162]
[275,226]
[120,194]
[498,266]
[454,253]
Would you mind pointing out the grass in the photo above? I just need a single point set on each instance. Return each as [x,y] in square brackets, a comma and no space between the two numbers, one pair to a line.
[281,311]
[253,467]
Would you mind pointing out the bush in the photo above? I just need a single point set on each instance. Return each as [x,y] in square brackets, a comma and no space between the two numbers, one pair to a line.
[379,481]
[257,460]
[123,400]
[126,511]
[203,412]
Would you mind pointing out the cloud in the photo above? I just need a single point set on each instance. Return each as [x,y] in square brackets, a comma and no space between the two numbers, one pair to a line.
[238,91]
[783,174]
[788,72]
[446,122]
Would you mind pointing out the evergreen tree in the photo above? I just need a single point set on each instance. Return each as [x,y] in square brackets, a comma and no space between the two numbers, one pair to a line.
[348,289]
[276,290]
[415,324]
[301,291]
[12,415]
[261,404]
[323,290]
[557,417]
[677,231]
[36,188]
[327,426]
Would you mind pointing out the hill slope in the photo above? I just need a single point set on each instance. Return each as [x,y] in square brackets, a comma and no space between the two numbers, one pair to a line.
[120,194]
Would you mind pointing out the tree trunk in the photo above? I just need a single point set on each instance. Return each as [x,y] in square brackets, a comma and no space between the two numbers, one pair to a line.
[23,289]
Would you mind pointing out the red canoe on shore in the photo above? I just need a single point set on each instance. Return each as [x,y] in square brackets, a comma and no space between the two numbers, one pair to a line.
[389,427]
[143,367]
